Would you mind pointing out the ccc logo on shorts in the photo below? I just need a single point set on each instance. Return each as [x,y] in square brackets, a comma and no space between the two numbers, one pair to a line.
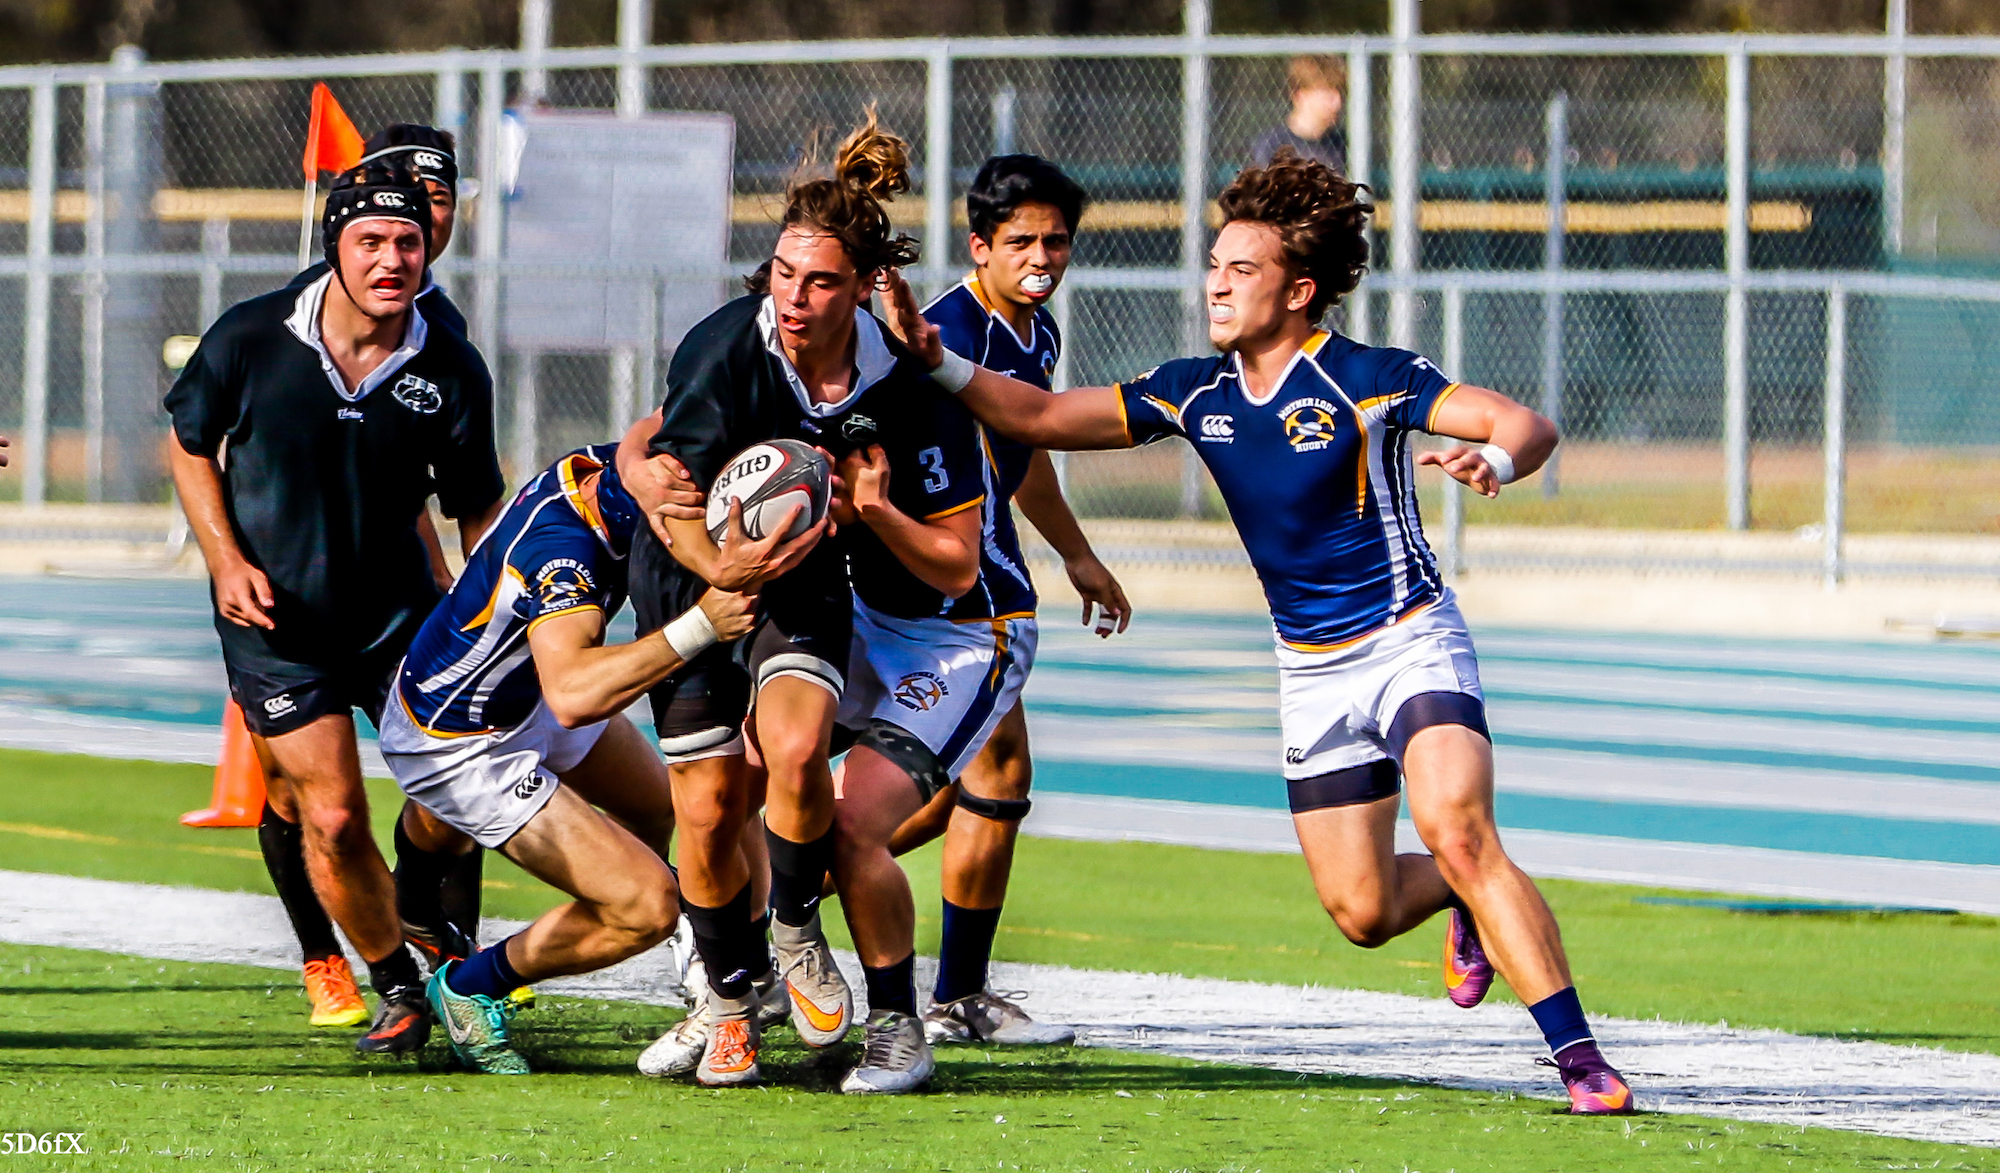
[526,787]
[920,692]
[281,704]
[1294,755]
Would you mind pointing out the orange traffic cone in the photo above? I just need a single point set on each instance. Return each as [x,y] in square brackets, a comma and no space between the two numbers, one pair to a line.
[238,800]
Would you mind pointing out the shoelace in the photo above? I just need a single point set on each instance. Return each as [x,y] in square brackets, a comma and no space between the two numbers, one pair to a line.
[732,1047]
[883,1046]
[321,978]
[499,1013]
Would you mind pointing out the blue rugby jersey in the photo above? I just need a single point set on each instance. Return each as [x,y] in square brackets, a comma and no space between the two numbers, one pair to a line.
[973,329]
[551,553]
[1318,477]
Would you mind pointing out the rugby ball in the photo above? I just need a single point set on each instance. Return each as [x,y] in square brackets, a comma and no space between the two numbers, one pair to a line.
[771,479]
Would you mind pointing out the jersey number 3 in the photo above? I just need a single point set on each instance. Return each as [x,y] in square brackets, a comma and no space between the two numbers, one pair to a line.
[933,461]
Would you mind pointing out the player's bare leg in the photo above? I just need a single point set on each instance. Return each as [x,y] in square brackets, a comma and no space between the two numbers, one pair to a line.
[331,995]
[1373,894]
[978,849]
[320,766]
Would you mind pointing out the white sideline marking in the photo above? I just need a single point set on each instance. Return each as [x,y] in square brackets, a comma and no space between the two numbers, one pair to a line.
[1758,1075]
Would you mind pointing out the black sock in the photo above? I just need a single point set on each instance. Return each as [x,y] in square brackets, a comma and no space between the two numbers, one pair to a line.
[731,950]
[966,948]
[284,848]
[893,986]
[395,976]
[420,878]
[798,875]
[762,927]
[459,895]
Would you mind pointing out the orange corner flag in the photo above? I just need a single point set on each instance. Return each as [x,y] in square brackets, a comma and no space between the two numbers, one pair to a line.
[238,798]
[332,143]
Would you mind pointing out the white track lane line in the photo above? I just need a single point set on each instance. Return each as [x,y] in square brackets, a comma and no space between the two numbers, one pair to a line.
[1760,1075]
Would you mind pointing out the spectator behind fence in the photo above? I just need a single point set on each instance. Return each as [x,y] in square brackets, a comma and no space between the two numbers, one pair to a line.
[1318,87]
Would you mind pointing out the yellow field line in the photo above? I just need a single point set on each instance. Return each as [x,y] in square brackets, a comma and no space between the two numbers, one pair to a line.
[62,833]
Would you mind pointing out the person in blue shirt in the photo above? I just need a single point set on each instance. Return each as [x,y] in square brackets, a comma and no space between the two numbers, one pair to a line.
[505,721]
[1308,435]
[953,681]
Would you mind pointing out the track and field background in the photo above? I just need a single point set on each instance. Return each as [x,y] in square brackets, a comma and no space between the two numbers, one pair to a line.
[1851,771]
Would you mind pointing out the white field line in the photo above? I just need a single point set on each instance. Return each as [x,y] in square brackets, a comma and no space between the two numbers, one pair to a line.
[1758,1075]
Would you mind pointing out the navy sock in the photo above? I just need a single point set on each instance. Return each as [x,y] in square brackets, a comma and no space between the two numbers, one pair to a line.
[283,845]
[967,947]
[893,986]
[1560,1015]
[798,876]
[486,972]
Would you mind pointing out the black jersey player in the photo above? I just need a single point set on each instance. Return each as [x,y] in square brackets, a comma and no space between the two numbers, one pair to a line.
[311,426]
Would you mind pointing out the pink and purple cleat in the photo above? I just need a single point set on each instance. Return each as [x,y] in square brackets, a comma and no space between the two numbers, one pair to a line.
[1467,973]
[1595,1087]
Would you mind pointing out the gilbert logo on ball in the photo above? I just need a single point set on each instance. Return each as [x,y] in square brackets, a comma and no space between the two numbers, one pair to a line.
[771,479]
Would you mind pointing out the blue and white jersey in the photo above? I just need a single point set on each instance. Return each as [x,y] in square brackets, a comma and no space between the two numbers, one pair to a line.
[972,328]
[1318,477]
[551,553]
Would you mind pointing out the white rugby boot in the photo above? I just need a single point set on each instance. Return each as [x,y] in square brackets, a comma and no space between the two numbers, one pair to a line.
[822,1005]
[774,1004]
[680,1050]
[730,1057]
[894,1058]
[987,1017]
[687,978]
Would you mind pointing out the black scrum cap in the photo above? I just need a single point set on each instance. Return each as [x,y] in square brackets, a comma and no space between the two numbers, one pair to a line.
[380,190]
[432,152]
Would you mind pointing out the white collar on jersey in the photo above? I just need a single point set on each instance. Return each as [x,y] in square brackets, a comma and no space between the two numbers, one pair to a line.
[1308,353]
[304,325]
[873,359]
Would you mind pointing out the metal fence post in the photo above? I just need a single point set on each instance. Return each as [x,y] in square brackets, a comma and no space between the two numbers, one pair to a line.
[1064,376]
[1194,215]
[448,102]
[635,19]
[937,169]
[35,315]
[635,32]
[1736,313]
[1405,175]
[1834,428]
[214,247]
[93,291]
[1454,493]
[537,18]
[1360,165]
[492,214]
[1556,196]
[1895,117]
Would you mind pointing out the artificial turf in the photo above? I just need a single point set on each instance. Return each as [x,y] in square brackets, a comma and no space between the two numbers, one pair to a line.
[1919,979]
[172,1065]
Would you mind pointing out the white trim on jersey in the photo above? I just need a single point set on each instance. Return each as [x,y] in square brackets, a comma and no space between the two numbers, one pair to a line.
[873,360]
[304,325]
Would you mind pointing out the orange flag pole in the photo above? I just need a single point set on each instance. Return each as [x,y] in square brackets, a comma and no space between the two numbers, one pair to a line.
[332,144]
[238,797]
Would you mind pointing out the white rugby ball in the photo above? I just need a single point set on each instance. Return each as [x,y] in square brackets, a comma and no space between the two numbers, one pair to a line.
[771,479]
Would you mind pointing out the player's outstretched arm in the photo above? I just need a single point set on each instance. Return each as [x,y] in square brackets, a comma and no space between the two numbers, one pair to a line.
[1079,420]
[584,681]
[242,592]
[1041,500]
[1523,437]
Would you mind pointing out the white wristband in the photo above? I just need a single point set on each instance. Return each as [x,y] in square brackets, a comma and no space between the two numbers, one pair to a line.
[1501,461]
[691,634]
[954,372]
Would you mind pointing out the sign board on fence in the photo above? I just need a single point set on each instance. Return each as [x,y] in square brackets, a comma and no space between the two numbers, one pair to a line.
[591,189]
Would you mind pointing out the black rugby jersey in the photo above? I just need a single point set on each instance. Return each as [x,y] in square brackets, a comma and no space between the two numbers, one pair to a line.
[324,487]
[730,387]
[438,308]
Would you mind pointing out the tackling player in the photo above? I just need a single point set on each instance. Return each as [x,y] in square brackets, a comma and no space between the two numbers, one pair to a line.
[1023,213]
[1308,436]
[507,724]
[311,426]
[800,358]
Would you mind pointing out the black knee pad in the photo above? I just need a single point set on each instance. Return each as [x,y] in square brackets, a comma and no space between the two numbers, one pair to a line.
[902,747]
[1352,786]
[1000,810]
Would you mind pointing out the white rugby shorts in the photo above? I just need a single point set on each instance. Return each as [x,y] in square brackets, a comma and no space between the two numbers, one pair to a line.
[1335,707]
[487,785]
[947,684]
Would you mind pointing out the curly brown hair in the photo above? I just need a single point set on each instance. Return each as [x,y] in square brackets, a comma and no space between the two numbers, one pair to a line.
[871,166]
[1321,218]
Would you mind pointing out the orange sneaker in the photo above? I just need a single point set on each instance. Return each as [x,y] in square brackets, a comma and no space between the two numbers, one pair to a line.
[336,1001]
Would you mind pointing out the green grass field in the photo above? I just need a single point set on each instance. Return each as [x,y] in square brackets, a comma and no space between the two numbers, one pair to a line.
[211,1064]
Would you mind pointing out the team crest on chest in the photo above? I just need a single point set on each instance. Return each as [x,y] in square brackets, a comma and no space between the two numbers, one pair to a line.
[919,692]
[419,395]
[1308,424]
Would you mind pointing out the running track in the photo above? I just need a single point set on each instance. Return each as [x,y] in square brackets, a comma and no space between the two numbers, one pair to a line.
[1849,771]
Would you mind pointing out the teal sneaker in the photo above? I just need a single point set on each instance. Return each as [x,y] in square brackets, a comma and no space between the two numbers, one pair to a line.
[477,1026]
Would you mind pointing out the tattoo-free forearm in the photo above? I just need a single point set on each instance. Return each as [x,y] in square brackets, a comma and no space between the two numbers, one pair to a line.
[1041,500]
[198,482]
[940,553]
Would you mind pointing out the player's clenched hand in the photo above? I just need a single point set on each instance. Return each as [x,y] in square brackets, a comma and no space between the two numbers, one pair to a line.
[1099,588]
[865,474]
[731,614]
[243,595]
[681,498]
[746,563]
[1464,463]
[906,319]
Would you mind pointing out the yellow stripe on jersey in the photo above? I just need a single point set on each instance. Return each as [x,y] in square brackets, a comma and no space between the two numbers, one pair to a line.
[485,615]
[1316,342]
[1124,417]
[570,479]
[972,504]
[1348,643]
[1430,421]
[538,620]
[428,731]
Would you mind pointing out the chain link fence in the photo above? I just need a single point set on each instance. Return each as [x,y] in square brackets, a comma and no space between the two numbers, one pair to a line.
[1689,250]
